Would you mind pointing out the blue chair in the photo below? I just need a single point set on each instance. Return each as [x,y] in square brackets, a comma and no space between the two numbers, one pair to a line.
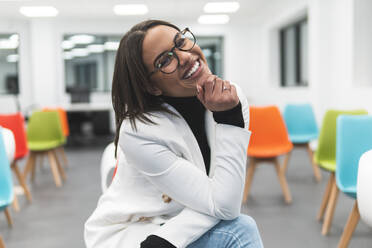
[354,137]
[302,128]
[6,184]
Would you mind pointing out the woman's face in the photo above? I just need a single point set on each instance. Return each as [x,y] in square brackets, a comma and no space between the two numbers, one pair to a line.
[192,69]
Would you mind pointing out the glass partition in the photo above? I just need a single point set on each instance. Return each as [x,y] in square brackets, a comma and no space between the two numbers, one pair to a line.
[9,59]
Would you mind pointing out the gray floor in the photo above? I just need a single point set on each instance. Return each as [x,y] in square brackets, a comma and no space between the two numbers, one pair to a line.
[56,217]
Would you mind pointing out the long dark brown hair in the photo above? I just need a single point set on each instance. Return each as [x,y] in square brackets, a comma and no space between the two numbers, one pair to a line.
[131,84]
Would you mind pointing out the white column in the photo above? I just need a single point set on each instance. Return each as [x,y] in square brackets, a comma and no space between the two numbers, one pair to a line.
[44,51]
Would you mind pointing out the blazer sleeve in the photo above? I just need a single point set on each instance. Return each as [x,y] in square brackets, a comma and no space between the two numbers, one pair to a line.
[219,196]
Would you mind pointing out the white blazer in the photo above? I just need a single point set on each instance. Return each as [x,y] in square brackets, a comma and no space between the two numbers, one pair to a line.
[164,160]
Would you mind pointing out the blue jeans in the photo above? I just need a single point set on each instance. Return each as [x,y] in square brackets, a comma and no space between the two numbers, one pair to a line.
[241,232]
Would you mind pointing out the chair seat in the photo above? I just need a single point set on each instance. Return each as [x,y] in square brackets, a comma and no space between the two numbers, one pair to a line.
[268,152]
[350,191]
[6,202]
[302,138]
[45,145]
[329,165]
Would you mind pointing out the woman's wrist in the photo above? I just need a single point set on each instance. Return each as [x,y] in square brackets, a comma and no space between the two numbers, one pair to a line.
[232,116]
[154,241]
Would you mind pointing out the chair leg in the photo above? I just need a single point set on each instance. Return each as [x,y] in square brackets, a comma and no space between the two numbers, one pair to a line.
[15,203]
[249,178]
[317,174]
[21,181]
[54,167]
[2,245]
[350,226]
[61,150]
[60,168]
[8,217]
[286,160]
[283,181]
[326,195]
[29,164]
[38,156]
[331,206]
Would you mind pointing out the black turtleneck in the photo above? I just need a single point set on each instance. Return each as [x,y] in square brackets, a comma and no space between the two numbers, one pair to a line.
[193,111]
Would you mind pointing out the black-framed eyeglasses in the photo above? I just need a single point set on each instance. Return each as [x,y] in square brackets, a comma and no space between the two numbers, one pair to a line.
[168,61]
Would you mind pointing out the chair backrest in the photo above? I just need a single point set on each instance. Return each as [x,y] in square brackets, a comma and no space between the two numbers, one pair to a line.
[354,137]
[327,137]
[6,184]
[108,162]
[63,118]
[15,122]
[300,119]
[268,127]
[44,126]
[9,143]
[364,187]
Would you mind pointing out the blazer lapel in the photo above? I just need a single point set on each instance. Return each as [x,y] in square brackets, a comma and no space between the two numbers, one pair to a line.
[210,126]
[192,151]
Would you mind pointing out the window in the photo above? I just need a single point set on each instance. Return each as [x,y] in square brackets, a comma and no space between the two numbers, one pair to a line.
[294,54]
[9,57]
[89,62]
[212,50]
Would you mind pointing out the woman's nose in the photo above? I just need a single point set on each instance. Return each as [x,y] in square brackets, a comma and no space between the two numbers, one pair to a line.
[184,57]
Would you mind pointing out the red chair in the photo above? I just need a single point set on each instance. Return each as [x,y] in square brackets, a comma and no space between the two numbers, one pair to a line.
[15,122]
[268,141]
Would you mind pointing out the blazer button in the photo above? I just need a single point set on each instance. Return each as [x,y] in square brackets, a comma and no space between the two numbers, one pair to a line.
[166,198]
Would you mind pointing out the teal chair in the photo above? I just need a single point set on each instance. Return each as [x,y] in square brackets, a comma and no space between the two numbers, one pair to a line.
[6,184]
[354,137]
[44,136]
[302,129]
[325,157]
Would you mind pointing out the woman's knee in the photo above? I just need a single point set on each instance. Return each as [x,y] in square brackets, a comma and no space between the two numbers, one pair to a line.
[246,222]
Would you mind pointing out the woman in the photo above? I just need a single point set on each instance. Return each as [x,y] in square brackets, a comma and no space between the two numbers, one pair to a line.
[181,171]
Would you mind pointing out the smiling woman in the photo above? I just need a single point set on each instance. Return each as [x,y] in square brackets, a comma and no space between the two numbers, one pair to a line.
[181,141]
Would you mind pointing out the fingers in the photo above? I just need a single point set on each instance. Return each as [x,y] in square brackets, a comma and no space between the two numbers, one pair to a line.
[209,85]
[218,87]
[200,94]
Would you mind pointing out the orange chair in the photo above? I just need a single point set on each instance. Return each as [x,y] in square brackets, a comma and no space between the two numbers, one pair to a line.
[2,245]
[15,122]
[65,129]
[268,141]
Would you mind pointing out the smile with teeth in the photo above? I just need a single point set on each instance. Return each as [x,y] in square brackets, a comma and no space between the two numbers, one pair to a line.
[193,69]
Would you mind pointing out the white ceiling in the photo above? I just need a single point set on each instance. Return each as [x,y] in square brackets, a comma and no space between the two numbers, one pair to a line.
[102,9]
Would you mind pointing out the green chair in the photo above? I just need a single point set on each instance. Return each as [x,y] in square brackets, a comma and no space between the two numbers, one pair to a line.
[44,136]
[325,157]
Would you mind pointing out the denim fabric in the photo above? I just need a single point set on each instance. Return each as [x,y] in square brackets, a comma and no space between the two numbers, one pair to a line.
[241,232]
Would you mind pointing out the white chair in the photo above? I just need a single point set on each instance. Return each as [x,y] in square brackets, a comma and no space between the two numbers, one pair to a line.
[108,162]
[9,143]
[364,187]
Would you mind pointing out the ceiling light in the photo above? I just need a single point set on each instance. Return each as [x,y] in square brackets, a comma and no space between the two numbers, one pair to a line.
[82,39]
[68,55]
[111,45]
[8,44]
[38,11]
[67,44]
[12,58]
[213,19]
[14,37]
[221,7]
[131,9]
[96,48]
[80,52]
